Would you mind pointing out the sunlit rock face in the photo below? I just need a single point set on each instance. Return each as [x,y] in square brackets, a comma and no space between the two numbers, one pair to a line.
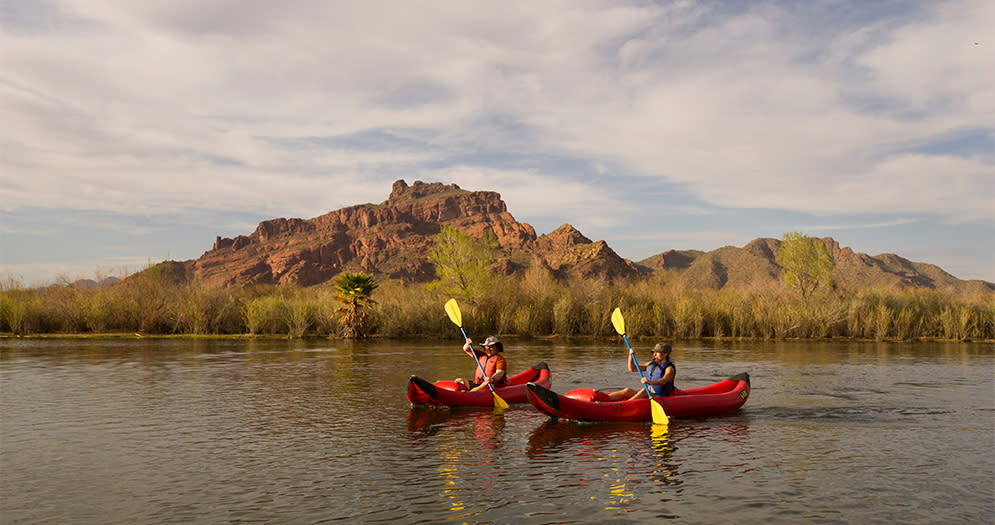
[392,239]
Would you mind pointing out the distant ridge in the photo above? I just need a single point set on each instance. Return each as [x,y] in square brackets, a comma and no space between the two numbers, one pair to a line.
[753,266]
[392,240]
[90,284]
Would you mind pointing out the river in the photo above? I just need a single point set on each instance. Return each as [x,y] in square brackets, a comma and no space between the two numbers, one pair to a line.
[191,430]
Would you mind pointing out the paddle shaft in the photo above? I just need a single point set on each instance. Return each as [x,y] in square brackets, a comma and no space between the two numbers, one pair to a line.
[480,366]
[638,368]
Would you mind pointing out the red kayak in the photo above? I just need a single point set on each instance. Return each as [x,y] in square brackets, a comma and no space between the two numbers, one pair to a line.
[583,404]
[445,393]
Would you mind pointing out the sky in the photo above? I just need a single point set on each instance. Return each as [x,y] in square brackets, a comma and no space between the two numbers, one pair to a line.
[137,132]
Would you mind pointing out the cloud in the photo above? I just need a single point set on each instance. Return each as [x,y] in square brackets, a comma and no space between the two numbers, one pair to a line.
[885,224]
[767,121]
[693,238]
[744,111]
[36,274]
[934,66]
[171,108]
[543,196]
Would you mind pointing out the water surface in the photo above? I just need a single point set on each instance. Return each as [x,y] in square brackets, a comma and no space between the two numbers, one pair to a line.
[318,431]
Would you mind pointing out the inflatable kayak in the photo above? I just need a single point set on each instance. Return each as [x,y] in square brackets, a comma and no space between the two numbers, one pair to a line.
[585,404]
[446,394]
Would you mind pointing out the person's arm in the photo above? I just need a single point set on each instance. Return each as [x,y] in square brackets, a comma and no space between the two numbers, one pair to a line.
[632,361]
[470,350]
[668,376]
[499,369]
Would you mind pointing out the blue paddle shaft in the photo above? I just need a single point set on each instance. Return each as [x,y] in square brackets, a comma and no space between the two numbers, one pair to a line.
[638,369]
[481,367]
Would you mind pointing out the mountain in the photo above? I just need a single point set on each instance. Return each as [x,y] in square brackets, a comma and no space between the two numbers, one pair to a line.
[90,284]
[753,266]
[567,253]
[392,240]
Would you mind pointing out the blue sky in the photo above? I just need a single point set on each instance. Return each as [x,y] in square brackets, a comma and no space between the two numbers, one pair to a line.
[136,132]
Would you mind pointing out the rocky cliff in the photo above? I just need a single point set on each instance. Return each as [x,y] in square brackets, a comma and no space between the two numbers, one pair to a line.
[568,253]
[389,239]
[392,240]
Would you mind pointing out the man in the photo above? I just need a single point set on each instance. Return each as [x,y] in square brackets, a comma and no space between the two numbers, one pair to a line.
[495,367]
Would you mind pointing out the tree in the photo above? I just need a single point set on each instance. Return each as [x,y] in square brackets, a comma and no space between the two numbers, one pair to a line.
[354,292]
[806,263]
[461,262]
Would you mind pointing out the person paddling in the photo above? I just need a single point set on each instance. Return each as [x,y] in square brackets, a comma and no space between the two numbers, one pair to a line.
[659,371]
[495,367]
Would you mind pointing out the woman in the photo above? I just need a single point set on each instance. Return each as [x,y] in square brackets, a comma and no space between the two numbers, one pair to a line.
[495,367]
[659,375]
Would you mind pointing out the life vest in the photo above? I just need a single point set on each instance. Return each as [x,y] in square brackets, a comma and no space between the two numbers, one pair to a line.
[655,372]
[490,366]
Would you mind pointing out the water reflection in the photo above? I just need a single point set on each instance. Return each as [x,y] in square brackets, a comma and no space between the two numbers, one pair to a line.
[484,425]
[449,472]
[618,456]
[469,451]
[665,468]
[214,431]
[723,444]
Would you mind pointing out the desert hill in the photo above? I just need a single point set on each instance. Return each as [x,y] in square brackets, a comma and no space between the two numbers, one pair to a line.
[753,266]
[392,240]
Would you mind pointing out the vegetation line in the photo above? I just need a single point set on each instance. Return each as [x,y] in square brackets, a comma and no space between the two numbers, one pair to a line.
[534,303]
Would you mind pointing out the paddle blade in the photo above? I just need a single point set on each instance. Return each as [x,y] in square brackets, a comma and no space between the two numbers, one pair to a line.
[618,321]
[659,415]
[454,314]
[500,405]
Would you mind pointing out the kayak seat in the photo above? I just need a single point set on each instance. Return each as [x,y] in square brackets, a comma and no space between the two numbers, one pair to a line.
[587,394]
[536,371]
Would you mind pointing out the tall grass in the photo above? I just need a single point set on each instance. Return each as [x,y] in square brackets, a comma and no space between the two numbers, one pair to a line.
[535,304]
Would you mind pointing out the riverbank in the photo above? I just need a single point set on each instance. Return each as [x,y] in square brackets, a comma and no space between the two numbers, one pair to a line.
[510,338]
[536,306]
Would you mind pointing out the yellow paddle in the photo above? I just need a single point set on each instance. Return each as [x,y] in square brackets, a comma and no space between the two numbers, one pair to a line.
[659,415]
[457,318]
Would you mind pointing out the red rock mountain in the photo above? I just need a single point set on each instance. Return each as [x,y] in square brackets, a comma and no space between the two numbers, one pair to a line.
[567,252]
[392,239]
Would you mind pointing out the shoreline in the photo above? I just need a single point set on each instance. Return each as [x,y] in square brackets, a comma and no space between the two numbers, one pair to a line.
[510,337]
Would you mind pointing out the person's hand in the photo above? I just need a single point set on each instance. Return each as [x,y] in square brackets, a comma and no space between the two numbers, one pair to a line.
[631,351]
[487,380]
[645,381]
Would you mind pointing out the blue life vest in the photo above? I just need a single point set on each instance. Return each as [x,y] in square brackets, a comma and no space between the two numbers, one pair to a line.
[654,372]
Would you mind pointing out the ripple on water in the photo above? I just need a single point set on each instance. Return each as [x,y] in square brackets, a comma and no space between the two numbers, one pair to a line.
[270,431]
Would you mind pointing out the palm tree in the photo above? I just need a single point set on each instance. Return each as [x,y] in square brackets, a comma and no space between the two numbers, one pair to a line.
[354,291]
